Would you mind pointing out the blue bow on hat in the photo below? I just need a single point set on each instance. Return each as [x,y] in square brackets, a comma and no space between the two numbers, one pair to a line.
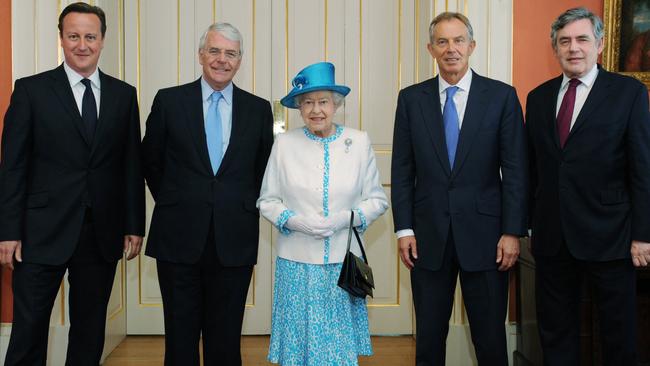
[318,76]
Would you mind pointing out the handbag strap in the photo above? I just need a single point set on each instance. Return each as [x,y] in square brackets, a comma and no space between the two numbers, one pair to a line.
[356,234]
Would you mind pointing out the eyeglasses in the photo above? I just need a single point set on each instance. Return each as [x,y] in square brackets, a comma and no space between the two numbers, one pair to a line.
[229,55]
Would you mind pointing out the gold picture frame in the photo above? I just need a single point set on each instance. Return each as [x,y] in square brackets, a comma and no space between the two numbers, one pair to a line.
[621,53]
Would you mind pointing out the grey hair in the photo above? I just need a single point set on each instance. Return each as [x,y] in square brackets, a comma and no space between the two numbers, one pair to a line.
[573,15]
[447,16]
[337,98]
[227,30]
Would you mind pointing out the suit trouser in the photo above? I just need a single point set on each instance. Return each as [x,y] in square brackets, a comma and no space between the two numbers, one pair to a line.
[485,296]
[203,299]
[35,287]
[558,283]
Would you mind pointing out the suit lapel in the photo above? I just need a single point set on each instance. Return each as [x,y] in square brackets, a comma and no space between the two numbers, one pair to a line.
[239,126]
[477,102]
[599,92]
[193,106]
[64,93]
[550,103]
[432,117]
[107,106]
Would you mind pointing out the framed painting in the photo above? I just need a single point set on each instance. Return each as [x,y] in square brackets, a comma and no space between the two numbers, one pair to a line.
[627,38]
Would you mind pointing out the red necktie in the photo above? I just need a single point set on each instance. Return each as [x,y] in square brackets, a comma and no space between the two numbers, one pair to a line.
[565,113]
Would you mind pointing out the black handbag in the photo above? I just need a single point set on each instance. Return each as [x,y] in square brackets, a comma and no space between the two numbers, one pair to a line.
[356,274]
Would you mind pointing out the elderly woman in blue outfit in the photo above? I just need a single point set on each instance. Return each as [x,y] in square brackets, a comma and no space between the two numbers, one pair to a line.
[316,175]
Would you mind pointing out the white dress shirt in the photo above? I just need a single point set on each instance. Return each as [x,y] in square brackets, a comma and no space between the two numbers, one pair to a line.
[78,88]
[582,92]
[224,107]
[460,100]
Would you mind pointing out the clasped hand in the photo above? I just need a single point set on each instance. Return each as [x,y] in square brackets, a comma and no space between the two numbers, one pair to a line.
[318,226]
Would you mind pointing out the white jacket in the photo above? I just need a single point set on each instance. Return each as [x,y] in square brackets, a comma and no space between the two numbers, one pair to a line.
[297,182]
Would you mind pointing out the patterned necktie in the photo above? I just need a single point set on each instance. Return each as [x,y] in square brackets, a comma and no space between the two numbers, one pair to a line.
[89,109]
[565,114]
[213,133]
[450,120]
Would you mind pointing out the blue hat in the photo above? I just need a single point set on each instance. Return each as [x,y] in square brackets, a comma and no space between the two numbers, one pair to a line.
[318,76]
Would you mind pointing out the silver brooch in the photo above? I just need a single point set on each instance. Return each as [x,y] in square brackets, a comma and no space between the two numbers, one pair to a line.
[348,142]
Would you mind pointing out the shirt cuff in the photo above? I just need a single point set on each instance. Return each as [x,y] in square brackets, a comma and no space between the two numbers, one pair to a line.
[364,223]
[404,232]
[282,220]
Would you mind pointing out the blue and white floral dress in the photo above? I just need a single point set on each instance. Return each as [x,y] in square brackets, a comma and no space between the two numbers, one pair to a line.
[314,321]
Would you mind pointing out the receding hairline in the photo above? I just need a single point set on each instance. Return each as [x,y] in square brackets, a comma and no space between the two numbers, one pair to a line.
[226,30]
[449,16]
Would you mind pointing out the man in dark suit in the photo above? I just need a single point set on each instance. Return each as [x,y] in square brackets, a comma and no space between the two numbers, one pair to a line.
[589,139]
[205,151]
[459,185]
[71,192]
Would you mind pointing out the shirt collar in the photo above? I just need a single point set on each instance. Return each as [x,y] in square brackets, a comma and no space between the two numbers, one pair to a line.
[75,78]
[463,84]
[206,91]
[587,80]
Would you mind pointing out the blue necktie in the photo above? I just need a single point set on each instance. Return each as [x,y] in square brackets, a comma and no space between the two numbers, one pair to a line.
[213,133]
[89,109]
[450,120]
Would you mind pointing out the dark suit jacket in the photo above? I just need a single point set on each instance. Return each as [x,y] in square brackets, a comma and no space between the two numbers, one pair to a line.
[473,199]
[50,172]
[594,193]
[189,197]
